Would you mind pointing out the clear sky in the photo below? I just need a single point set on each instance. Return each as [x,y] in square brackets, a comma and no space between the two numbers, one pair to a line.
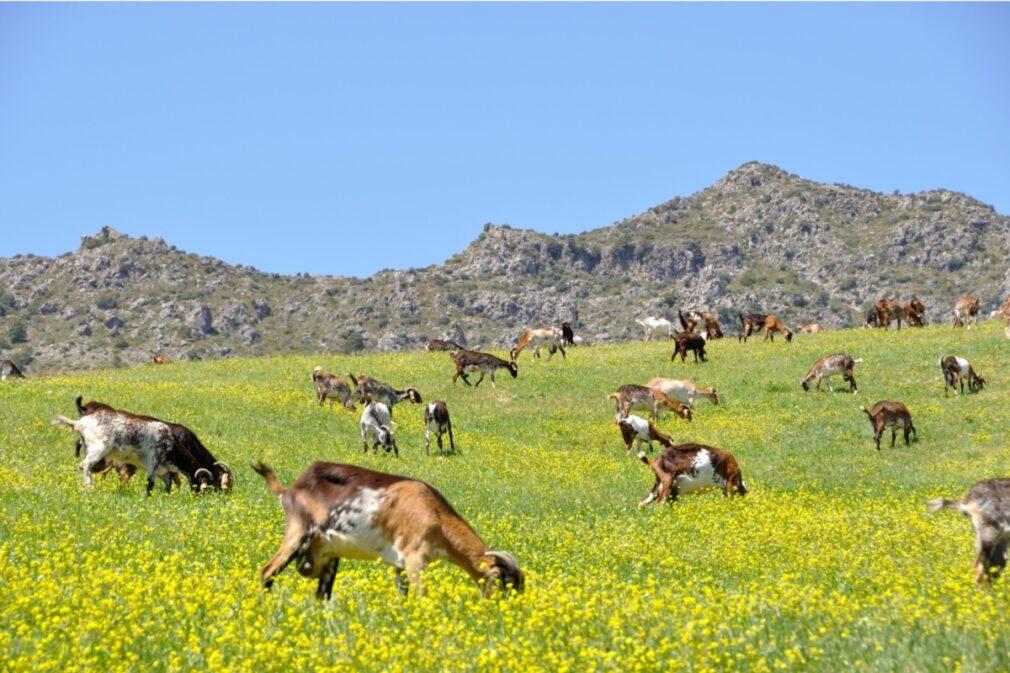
[347,138]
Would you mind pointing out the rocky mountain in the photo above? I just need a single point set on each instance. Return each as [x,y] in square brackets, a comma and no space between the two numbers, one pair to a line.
[760,238]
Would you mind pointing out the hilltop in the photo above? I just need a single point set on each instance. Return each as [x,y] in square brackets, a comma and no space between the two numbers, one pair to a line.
[759,238]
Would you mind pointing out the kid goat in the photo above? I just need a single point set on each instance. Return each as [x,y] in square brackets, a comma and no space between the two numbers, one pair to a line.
[552,337]
[332,387]
[688,468]
[987,504]
[377,425]
[366,386]
[338,511]
[958,370]
[684,391]
[468,362]
[892,415]
[436,419]
[632,396]
[829,366]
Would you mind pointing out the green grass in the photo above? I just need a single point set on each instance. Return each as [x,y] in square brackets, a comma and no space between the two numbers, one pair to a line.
[829,564]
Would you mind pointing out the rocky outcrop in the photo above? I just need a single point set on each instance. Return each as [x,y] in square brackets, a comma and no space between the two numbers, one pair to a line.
[760,238]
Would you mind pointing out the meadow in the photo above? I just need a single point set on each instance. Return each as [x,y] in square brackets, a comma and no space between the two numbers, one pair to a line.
[831,563]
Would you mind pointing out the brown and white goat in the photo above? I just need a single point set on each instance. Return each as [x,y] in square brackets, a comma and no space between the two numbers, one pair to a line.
[966,311]
[891,415]
[811,328]
[832,365]
[632,396]
[689,468]
[692,319]
[686,392]
[335,511]
[958,370]
[9,370]
[750,323]
[468,362]
[987,505]
[636,430]
[163,449]
[436,419]
[366,386]
[689,341]
[331,387]
[552,337]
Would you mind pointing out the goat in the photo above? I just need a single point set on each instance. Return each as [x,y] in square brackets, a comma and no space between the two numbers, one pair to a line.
[335,511]
[162,449]
[811,328]
[9,370]
[957,370]
[987,504]
[636,430]
[890,415]
[689,341]
[366,386]
[436,419]
[688,468]
[693,318]
[771,325]
[468,362]
[160,359]
[377,424]
[872,319]
[1005,312]
[832,365]
[890,309]
[684,391]
[552,337]
[632,396]
[966,311]
[650,324]
[567,335]
[750,323]
[441,345]
[332,387]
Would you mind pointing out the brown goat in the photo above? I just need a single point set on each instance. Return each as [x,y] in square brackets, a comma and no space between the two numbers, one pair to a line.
[688,341]
[631,396]
[966,311]
[891,415]
[160,359]
[913,312]
[692,319]
[335,511]
[811,328]
[687,468]
[987,504]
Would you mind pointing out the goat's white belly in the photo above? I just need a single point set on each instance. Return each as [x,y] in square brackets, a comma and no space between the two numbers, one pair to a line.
[701,476]
[351,532]
[962,365]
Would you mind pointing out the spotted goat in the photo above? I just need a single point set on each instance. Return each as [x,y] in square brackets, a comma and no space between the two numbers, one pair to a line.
[987,506]
[689,468]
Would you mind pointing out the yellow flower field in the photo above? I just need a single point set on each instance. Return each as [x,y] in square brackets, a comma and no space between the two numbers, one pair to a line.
[830,563]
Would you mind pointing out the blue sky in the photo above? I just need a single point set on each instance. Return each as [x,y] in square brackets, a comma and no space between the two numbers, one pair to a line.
[347,138]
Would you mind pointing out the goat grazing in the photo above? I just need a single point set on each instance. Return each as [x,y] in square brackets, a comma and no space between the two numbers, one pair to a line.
[684,391]
[958,370]
[766,323]
[332,387]
[749,324]
[652,324]
[468,362]
[377,425]
[891,415]
[829,366]
[688,468]
[335,511]
[913,312]
[163,449]
[552,337]
[966,311]
[632,396]
[688,341]
[366,386]
[9,370]
[987,505]
[692,318]
[811,328]
[636,430]
[436,419]
[160,359]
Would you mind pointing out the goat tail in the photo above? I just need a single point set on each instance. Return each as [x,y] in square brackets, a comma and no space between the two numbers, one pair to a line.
[63,420]
[273,483]
[354,379]
[936,504]
[857,361]
[80,407]
[865,410]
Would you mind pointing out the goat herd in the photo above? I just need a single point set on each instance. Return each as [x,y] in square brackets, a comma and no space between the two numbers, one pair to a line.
[335,511]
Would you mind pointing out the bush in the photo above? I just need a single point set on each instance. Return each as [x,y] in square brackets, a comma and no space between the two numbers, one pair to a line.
[18,332]
[106,302]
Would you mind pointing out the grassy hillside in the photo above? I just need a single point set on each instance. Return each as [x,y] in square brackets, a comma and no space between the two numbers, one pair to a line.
[829,564]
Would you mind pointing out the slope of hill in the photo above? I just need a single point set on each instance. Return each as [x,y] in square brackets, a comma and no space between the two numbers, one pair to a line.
[760,238]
